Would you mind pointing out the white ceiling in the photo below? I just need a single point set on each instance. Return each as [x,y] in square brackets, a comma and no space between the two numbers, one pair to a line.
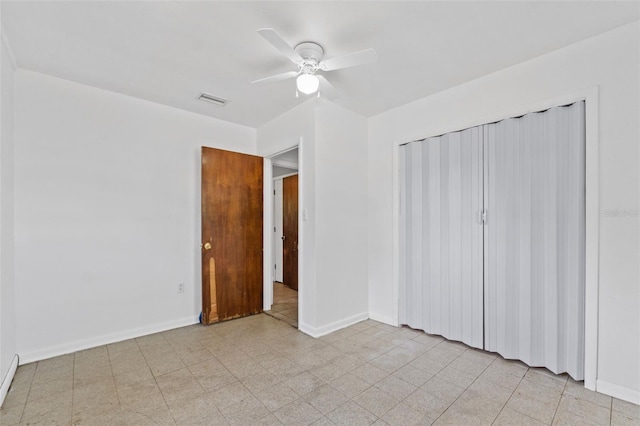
[170,52]
[290,156]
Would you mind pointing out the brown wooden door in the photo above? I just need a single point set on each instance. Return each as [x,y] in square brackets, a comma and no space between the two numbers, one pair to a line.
[231,235]
[290,231]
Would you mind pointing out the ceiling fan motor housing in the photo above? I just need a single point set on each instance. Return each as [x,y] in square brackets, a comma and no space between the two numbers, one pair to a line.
[311,52]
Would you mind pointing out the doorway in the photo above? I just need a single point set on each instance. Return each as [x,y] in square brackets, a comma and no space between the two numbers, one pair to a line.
[284,248]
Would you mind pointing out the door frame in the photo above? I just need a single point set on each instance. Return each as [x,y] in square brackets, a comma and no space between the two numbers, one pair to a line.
[275,242]
[592,207]
[267,298]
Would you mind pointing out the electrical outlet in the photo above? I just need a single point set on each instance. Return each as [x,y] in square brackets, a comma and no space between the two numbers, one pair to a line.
[180,287]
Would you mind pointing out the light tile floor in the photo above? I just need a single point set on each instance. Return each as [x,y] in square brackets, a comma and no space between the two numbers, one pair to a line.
[259,370]
[285,304]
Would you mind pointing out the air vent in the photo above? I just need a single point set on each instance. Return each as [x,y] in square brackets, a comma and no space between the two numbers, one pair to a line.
[213,99]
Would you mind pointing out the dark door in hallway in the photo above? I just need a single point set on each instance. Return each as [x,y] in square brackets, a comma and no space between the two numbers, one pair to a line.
[290,231]
[231,235]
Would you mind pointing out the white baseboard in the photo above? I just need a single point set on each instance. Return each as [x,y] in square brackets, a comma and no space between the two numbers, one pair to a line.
[334,326]
[6,380]
[78,345]
[386,319]
[617,391]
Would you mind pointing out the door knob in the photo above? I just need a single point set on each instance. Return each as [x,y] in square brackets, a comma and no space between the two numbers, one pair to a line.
[207,246]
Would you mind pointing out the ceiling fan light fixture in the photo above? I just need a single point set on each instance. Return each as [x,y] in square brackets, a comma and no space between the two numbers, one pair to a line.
[307,83]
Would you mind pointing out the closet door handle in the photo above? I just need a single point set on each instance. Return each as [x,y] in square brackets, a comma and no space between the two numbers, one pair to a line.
[482,217]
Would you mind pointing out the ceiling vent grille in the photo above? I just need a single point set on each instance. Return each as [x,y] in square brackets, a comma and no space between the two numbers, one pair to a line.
[213,99]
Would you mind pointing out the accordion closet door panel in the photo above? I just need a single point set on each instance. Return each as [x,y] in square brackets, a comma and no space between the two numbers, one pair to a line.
[535,239]
[441,237]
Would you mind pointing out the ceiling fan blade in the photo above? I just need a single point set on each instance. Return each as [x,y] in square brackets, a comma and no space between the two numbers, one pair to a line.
[326,89]
[274,38]
[350,60]
[277,77]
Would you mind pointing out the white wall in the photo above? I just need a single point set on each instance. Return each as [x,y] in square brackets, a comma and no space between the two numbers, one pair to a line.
[282,133]
[107,207]
[7,288]
[285,131]
[610,61]
[341,216]
[333,274]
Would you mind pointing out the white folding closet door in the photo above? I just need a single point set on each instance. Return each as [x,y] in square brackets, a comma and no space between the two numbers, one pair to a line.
[441,238]
[534,239]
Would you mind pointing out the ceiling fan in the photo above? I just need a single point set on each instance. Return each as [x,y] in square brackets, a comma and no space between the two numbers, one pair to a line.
[308,56]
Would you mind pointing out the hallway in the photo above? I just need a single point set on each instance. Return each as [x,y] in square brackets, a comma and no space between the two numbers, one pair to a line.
[285,304]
